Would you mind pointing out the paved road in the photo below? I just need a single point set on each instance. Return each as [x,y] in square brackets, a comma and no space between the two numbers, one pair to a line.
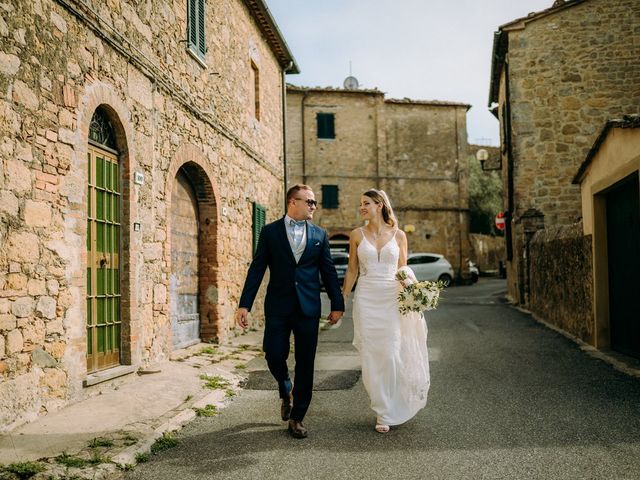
[509,399]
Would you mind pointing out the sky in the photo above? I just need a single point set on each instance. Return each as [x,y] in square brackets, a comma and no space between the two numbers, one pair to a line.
[420,49]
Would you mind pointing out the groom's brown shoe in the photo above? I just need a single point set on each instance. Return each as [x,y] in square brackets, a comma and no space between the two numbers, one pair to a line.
[297,430]
[285,408]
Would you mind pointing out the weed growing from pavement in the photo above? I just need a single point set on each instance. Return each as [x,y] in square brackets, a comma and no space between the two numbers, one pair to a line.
[97,459]
[241,366]
[208,411]
[100,442]
[208,350]
[24,470]
[165,442]
[126,467]
[142,457]
[188,397]
[214,383]
[229,392]
[71,461]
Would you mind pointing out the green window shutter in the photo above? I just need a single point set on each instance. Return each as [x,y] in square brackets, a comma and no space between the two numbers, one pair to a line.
[196,27]
[259,220]
[201,24]
[330,196]
[326,125]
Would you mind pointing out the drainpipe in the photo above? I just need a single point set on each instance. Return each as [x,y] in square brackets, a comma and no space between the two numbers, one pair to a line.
[284,131]
[304,153]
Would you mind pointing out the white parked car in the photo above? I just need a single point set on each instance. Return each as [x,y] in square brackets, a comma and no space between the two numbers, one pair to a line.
[431,266]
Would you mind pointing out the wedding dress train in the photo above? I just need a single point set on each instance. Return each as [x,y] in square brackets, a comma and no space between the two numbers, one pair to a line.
[392,347]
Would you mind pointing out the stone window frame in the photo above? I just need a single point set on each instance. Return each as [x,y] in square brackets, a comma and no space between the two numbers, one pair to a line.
[196,30]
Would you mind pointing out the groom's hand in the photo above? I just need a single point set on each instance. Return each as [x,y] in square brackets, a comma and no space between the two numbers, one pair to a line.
[242,315]
[334,316]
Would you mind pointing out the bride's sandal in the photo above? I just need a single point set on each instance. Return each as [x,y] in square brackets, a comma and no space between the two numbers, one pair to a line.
[382,428]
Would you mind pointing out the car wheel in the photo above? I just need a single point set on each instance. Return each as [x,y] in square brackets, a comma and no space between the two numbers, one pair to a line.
[445,278]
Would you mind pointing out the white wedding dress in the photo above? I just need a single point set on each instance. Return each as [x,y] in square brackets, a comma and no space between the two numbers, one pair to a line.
[392,347]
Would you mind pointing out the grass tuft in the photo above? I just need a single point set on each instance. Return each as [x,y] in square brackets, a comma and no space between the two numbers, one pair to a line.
[100,442]
[142,457]
[208,411]
[214,383]
[208,351]
[24,470]
[165,442]
[71,461]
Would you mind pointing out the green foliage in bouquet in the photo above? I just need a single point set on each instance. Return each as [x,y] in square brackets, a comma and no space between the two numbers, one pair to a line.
[418,296]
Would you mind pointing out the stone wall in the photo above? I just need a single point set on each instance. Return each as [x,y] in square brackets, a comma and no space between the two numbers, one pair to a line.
[56,67]
[487,251]
[561,279]
[569,73]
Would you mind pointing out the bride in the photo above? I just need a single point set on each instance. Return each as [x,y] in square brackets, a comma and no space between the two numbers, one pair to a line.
[392,347]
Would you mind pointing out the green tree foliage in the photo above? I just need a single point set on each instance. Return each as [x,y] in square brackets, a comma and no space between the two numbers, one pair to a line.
[485,198]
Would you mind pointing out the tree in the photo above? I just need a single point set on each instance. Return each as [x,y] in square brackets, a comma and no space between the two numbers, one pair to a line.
[485,198]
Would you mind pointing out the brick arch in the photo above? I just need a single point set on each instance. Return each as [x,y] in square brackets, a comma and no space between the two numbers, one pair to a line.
[201,176]
[100,94]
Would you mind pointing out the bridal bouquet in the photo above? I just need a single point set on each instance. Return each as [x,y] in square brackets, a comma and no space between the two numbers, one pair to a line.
[417,296]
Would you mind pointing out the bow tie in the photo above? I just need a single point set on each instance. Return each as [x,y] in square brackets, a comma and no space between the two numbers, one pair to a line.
[301,223]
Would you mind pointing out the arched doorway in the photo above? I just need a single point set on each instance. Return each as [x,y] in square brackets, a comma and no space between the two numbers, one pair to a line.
[183,283]
[193,292]
[104,236]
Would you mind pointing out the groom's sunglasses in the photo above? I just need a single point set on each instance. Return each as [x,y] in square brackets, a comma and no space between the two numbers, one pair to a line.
[311,203]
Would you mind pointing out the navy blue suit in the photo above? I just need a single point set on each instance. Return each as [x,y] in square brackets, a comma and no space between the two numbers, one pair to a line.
[292,304]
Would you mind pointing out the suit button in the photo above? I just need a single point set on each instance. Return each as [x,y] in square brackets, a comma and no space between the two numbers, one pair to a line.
[296,283]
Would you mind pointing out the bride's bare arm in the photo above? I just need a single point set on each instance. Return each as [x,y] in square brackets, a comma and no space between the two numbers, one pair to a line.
[404,248]
[352,269]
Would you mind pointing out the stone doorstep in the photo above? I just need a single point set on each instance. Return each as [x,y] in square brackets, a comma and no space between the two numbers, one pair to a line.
[110,374]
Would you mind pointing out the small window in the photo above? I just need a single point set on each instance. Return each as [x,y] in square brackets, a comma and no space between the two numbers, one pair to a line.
[256,90]
[259,219]
[196,28]
[330,196]
[326,127]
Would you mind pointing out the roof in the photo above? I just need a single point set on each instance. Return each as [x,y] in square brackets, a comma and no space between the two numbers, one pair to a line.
[268,27]
[296,88]
[501,40]
[439,103]
[628,121]
[375,91]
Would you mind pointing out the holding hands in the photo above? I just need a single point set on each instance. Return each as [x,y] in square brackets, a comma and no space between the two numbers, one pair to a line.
[334,316]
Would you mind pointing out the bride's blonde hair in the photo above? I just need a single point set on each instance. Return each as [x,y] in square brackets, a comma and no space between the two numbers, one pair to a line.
[380,197]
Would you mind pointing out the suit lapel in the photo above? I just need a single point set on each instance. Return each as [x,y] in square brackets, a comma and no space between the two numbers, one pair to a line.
[311,239]
[284,239]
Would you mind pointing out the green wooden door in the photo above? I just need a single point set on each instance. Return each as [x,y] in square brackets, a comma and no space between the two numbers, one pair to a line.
[103,260]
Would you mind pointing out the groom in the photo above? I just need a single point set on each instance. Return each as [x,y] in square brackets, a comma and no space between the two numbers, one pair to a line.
[297,254]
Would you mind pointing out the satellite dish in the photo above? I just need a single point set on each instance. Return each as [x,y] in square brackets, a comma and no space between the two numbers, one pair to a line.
[351,83]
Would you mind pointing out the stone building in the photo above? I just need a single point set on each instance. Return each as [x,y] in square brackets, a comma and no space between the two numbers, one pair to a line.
[557,76]
[139,140]
[342,142]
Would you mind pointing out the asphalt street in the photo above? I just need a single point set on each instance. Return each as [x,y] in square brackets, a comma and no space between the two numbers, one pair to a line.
[509,399]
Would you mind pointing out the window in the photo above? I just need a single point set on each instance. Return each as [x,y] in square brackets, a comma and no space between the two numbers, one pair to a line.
[330,196]
[418,259]
[256,90]
[259,219]
[195,28]
[326,128]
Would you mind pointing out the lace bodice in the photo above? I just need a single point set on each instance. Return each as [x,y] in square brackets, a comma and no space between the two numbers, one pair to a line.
[374,263]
